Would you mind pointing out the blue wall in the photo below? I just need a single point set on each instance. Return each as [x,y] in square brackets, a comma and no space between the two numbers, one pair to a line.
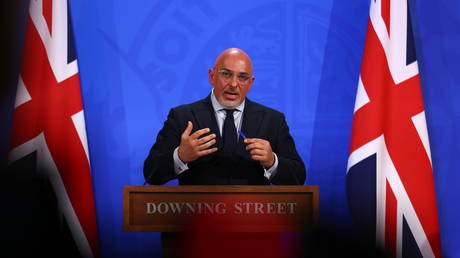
[138,59]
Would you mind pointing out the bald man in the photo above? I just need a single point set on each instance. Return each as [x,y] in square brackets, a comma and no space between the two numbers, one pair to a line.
[225,139]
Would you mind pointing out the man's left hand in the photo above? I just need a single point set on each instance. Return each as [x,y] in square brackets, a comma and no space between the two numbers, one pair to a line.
[260,150]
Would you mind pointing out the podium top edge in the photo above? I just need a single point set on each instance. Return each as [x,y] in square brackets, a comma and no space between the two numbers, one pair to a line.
[221,188]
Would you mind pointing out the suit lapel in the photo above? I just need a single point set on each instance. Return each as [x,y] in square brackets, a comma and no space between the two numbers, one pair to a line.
[205,117]
[252,120]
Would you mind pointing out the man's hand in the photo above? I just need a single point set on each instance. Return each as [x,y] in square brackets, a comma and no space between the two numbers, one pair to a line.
[260,150]
[192,146]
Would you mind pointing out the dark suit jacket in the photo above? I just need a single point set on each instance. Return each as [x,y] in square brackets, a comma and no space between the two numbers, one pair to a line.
[216,169]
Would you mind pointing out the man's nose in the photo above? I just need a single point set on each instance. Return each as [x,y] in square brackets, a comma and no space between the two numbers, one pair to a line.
[234,81]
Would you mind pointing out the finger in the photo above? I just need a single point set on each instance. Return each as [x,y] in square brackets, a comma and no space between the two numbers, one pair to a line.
[257,158]
[250,140]
[258,152]
[200,132]
[207,145]
[255,140]
[252,146]
[206,138]
[188,129]
[207,152]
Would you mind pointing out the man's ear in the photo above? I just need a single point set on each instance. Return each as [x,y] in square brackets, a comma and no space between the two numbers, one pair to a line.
[252,81]
[211,76]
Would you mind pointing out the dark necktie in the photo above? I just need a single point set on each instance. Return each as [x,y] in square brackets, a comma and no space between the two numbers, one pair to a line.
[229,132]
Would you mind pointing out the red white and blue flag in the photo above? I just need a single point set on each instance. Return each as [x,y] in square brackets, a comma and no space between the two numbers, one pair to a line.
[389,176]
[48,118]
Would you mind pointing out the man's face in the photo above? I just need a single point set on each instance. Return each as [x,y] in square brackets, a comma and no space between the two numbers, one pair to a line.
[232,79]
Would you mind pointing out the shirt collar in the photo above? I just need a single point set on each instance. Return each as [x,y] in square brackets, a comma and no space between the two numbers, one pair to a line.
[217,106]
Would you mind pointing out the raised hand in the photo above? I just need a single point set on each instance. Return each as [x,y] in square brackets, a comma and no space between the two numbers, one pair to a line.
[193,146]
[260,150]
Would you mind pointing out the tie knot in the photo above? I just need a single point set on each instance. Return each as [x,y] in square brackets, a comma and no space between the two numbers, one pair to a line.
[229,111]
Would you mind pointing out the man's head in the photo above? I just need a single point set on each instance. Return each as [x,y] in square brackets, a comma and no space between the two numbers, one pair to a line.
[231,77]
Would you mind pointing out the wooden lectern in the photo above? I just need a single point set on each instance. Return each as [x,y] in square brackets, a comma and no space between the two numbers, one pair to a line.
[220,208]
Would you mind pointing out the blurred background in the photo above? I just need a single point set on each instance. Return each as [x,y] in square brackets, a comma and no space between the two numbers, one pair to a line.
[137,59]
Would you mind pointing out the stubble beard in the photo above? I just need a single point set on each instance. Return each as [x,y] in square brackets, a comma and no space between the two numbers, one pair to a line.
[229,104]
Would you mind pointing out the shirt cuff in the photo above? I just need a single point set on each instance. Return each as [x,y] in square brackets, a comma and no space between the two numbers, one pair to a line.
[179,166]
[269,173]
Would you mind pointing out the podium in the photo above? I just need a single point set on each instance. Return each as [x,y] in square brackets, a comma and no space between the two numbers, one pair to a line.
[220,208]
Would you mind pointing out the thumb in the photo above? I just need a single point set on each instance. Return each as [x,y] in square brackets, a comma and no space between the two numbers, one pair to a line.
[188,130]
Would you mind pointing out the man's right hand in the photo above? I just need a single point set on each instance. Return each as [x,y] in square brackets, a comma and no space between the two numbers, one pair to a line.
[193,146]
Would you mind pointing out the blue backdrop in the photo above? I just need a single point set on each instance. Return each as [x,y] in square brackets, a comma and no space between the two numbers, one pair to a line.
[137,59]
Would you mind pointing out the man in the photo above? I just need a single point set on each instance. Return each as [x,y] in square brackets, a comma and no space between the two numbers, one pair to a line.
[204,143]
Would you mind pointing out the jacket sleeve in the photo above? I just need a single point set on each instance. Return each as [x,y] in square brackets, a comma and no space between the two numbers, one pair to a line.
[291,169]
[159,164]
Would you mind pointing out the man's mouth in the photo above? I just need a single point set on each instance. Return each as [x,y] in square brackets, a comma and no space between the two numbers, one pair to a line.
[231,95]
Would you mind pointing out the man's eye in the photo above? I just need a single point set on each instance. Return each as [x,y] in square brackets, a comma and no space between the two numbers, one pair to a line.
[226,74]
[243,77]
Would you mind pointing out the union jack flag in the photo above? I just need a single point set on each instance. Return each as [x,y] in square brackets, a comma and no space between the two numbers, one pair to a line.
[389,176]
[48,118]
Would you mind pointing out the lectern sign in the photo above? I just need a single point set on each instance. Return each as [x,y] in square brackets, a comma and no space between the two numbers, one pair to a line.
[220,208]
